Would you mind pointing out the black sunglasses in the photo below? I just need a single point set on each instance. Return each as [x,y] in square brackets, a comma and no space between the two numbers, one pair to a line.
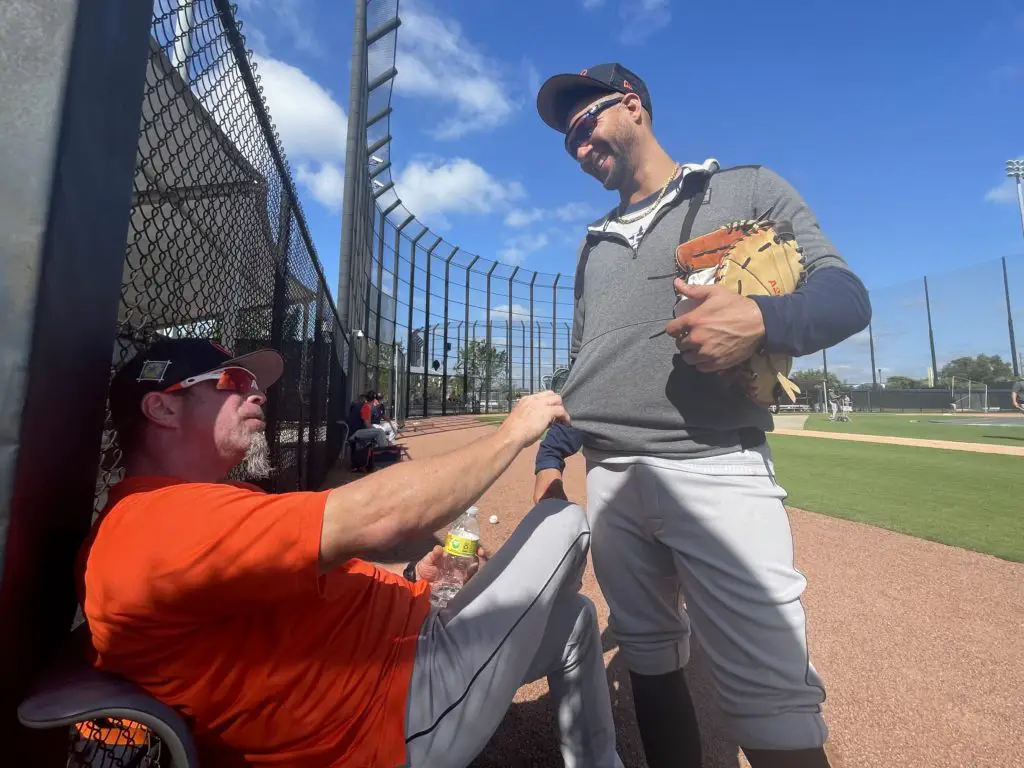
[580,132]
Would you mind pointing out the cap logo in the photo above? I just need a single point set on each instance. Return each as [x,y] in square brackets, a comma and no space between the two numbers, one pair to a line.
[154,370]
[583,72]
[627,84]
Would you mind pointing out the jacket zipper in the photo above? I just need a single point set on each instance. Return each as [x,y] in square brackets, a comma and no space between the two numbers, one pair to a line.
[636,249]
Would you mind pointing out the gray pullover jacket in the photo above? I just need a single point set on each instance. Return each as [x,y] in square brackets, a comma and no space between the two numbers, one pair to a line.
[629,394]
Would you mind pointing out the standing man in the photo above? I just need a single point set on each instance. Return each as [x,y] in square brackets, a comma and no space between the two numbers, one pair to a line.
[1017,394]
[681,490]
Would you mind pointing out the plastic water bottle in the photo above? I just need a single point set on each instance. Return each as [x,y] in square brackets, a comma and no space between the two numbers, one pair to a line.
[460,552]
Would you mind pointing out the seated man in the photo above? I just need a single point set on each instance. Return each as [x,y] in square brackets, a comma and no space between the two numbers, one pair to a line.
[369,428]
[253,616]
[379,418]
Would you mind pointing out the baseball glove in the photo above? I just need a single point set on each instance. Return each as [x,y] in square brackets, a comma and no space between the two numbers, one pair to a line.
[752,258]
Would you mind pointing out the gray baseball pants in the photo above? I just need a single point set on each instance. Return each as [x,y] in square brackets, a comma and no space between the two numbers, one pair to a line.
[519,619]
[713,531]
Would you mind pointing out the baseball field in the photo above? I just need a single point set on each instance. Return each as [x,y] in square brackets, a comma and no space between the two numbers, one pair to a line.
[913,555]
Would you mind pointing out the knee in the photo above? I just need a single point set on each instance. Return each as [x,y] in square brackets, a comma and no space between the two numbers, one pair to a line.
[560,519]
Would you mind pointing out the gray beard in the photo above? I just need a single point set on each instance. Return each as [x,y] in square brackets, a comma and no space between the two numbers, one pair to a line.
[256,464]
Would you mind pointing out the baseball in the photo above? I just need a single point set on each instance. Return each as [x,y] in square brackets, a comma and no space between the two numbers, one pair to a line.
[493,519]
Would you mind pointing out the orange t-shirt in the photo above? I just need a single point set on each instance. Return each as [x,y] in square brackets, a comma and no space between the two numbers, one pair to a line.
[366,412]
[208,596]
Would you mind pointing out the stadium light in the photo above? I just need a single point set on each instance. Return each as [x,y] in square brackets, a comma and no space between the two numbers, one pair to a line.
[1015,170]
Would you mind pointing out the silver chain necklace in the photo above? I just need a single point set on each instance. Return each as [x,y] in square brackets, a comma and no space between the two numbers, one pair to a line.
[648,208]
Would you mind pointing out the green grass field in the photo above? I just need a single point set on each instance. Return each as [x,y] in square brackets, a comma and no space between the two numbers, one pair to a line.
[969,500]
[915,425]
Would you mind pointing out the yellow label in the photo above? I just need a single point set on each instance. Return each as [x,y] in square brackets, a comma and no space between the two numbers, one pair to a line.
[461,546]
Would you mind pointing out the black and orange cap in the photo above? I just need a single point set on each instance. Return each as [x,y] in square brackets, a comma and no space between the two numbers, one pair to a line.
[560,92]
[170,361]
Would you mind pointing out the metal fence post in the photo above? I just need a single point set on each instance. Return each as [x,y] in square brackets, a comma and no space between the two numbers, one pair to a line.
[382,220]
[394,295]
[871,342]
[508,336]
[931,335]
[426,328]
[354,143]
[487,354]
[554,321]
[408,329]
[465,357]
[1009,316]
[444,341]
[522,356]
[533,380]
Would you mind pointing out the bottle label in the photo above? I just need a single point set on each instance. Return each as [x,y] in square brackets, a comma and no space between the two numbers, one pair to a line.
[461,546]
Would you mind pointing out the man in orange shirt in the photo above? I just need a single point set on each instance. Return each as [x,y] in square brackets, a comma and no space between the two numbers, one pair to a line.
[252,614]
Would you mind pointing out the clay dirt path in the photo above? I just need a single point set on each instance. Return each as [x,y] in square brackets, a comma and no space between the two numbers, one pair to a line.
[919,643]
[954,445]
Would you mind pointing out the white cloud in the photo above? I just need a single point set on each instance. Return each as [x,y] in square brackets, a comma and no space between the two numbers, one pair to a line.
[522,217]
[327,185]
[430,188]
[519,247]
[312,126]
[642,18]
[532,79]
[592,5]
[519,312]
[292,17]
[311,123]
[570,213]
[1004,193]
[435,60]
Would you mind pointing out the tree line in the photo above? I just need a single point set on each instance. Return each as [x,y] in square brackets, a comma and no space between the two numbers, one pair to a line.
[980,369]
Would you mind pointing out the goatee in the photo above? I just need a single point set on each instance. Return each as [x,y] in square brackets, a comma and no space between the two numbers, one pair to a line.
[256,464]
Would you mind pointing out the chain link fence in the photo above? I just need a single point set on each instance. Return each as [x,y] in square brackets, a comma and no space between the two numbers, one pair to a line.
[218,246]
[935,343]
[475,333]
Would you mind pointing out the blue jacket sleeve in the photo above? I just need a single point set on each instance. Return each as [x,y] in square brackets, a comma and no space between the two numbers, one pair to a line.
[561,441]
[828,308]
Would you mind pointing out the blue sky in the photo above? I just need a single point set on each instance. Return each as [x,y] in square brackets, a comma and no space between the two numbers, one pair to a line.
[894,120]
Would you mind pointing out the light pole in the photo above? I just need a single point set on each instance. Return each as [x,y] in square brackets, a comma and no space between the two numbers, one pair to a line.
[1015,170]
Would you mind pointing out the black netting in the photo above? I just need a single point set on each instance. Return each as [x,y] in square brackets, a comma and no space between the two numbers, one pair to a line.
[218,246]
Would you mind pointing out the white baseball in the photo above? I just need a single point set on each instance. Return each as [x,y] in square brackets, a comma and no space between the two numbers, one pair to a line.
[493,519]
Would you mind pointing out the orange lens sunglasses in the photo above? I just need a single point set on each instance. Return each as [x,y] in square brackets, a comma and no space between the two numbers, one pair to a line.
[228,379]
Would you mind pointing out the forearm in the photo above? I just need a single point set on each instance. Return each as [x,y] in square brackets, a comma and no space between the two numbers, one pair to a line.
[561,441]
[830,307]
[423,495]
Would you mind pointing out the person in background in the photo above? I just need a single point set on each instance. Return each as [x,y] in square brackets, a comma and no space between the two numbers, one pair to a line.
[1017,394]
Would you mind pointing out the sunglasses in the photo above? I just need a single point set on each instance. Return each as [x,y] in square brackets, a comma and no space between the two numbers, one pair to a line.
[227,379]
[579,133]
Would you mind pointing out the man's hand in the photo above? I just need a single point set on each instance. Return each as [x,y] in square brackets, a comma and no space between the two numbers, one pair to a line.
[723,329]
[429,568]
[548,485]
[532,415]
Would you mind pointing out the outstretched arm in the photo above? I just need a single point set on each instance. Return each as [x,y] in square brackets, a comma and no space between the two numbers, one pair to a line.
[381,509]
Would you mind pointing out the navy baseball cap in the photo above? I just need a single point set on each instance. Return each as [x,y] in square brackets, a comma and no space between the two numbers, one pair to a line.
[170,361]
[560,92]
